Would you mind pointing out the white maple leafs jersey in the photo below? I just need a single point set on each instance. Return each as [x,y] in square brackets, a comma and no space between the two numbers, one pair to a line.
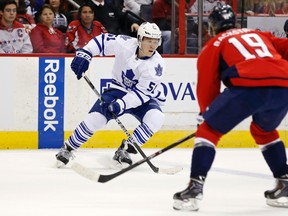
[140,78]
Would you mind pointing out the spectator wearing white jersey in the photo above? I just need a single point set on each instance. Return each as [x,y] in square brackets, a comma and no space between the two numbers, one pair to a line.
[13,35]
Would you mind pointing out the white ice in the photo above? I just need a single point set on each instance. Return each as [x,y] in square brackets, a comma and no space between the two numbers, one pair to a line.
[31,185]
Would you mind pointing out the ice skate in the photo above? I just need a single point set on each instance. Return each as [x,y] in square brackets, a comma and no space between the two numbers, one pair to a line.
[122,158]
[64,155]
[128,146]
[278,197]
[187,200]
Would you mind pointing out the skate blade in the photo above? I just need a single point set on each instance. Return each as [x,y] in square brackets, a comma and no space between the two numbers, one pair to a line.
[118,166]
[187,205]
[281,202]
[59,164]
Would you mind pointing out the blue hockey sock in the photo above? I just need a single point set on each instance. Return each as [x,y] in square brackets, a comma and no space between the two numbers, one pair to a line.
[276,159]
[202,159]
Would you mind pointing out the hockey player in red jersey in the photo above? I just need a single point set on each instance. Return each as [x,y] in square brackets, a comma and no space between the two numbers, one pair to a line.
[253,66]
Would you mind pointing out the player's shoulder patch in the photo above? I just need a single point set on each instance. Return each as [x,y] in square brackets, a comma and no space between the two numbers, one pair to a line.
[125,37]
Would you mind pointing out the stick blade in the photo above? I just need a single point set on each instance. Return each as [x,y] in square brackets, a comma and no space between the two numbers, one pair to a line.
[85,172]
[170,171]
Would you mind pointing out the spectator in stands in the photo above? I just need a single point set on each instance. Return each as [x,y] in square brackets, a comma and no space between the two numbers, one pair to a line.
[34,6]
[62,18]
[114,19]
[192,24]
[208,5]
[45,38]
[28,7]
[253,7]
[23,17]
[82,30]
[286,28]
[281,7]
[161,14]
[13,35]
[135,5]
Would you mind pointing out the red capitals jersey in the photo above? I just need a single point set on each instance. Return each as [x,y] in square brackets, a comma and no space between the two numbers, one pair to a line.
[45,40]
[241,57]
[78,36]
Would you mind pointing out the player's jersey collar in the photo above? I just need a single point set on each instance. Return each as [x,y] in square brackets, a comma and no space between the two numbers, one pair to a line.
[145,57]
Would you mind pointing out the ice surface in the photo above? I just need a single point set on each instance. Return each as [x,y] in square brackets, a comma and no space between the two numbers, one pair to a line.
[31,185]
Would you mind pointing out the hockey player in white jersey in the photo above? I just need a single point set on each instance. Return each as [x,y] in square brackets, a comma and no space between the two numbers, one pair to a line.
[136,89]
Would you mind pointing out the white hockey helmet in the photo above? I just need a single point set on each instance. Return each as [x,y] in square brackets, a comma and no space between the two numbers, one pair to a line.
[149,30]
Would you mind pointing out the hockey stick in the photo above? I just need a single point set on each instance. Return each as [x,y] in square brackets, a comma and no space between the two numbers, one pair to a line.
[94,176]
[155,169]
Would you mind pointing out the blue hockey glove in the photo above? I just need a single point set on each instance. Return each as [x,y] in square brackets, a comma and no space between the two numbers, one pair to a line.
[81,62]
[117,107]
[105,111]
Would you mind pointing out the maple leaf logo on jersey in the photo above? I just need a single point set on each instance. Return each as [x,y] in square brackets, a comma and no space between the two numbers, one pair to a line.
[159,70]
[127,79]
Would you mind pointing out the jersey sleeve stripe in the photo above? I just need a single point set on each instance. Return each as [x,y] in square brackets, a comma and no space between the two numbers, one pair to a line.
[100,45]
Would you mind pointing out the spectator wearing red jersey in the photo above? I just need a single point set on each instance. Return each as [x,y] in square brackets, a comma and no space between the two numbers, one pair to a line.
[45,38]
[81,31]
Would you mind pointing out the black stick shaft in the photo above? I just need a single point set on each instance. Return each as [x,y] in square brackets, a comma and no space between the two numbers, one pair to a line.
[106,178]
